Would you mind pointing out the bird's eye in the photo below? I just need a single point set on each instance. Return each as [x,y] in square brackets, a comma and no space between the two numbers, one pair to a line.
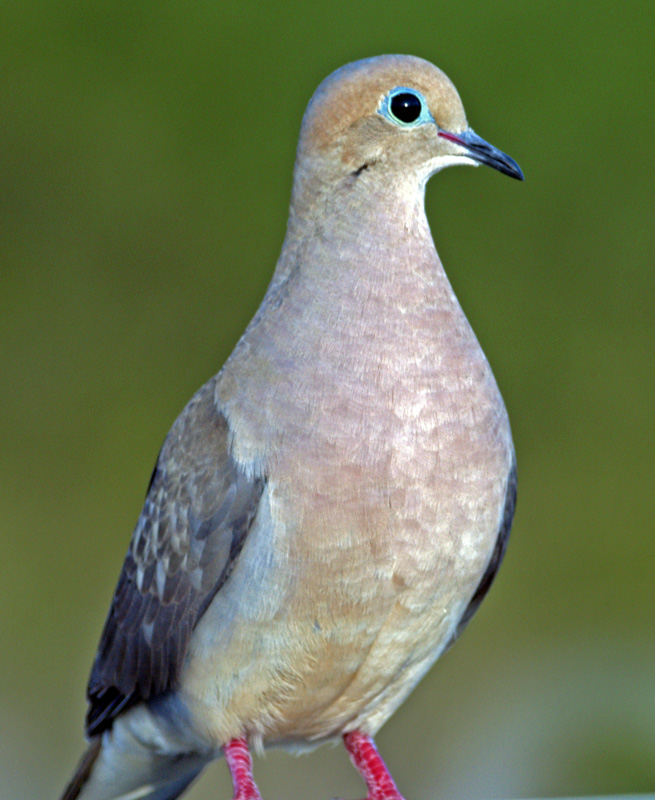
[405,107]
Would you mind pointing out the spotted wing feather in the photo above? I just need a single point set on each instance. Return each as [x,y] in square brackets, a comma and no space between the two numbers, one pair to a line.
[195,519]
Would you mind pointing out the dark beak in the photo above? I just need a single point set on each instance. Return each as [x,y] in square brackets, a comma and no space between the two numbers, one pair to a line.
[485,153]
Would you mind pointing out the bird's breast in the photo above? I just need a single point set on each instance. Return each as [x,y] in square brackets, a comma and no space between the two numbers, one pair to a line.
[389,486]
[395,462]
[386,447]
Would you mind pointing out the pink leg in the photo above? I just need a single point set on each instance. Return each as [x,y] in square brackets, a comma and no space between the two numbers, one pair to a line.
[239,763]
[365,757]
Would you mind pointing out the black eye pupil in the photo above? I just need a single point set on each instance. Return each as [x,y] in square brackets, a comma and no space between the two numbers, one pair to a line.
[406,107]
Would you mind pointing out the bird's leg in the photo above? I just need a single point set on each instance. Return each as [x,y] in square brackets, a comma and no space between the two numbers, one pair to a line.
[364,755]
[237,757]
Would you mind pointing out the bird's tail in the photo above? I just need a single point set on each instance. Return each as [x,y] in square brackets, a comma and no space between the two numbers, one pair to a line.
[83,771]
[117,766]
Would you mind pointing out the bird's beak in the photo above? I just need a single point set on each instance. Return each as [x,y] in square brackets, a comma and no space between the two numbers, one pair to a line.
[485,153]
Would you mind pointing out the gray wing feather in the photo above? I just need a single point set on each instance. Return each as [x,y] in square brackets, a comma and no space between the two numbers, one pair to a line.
[497,555]
[195,519]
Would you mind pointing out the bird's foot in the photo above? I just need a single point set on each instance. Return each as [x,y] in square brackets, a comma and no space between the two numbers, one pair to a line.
[361,749]
[364,755]
[237,757]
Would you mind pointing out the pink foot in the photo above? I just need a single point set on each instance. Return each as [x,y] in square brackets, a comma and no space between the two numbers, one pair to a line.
[365,757]
[239,763]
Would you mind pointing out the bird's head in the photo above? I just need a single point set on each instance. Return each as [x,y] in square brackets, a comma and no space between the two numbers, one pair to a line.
[398,115]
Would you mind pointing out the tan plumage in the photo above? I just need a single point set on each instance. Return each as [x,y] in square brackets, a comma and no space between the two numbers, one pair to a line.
[329,510]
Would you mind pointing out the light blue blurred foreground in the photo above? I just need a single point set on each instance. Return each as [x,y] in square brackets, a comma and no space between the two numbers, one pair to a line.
[610,797]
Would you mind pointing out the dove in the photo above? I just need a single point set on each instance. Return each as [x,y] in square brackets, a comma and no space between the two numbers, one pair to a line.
[328,512]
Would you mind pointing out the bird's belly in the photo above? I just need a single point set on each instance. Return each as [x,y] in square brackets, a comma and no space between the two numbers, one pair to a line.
[398,545]
[386,609]
[342,609]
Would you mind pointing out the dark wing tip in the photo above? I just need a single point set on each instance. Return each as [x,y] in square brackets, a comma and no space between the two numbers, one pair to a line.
[103,707]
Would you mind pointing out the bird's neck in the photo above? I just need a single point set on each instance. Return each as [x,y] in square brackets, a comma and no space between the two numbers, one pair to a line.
[359,315]
[365,249]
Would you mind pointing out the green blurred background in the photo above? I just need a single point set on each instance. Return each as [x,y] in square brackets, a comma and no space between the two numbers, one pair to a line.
[146,151]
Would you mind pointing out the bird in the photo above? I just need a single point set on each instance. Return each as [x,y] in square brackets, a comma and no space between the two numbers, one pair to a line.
[327,513]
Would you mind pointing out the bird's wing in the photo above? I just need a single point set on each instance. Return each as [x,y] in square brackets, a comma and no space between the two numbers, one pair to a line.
[197,513]
[497,555]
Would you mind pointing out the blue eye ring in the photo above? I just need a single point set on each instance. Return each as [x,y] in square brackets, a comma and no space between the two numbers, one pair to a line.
[410,107]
